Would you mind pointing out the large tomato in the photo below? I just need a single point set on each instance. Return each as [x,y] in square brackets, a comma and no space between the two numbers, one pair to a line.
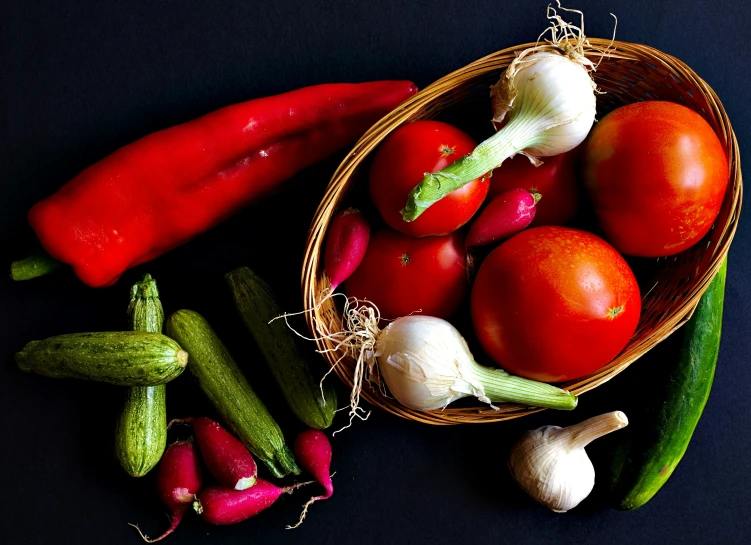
[401,163]
[554,180]
[554,303]
[657,174]
[403,275]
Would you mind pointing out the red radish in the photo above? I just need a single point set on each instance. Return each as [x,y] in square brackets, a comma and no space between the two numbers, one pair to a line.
[347,241]
[228,460]
[220,505]
[507,214]
[556,178]
[313,451]
[178,481]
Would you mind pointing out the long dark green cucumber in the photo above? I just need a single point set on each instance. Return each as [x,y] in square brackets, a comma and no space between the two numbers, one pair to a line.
[662,429]
[141,431]
[257,306]
[123,358]
[224,384]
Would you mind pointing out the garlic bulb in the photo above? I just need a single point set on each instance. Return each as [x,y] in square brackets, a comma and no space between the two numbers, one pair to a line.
[550,463]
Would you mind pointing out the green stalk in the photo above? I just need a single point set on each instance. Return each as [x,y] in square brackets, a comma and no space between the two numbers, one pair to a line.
[516,135]
[500,387]
[32,267]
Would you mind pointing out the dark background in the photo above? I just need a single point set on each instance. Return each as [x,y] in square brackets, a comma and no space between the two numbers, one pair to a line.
[80,79]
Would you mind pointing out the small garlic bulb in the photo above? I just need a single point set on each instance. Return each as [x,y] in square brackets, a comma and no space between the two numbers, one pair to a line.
[550,463]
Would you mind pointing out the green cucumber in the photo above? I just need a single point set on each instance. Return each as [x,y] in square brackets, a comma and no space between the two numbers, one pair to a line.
[226,387]
[141,431]
[122,358]
[255,301]
[662,428]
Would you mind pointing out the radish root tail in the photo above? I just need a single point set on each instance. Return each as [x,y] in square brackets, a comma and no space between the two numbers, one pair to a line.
[175,521]
[304,512]
[178,421]
[291,488]
[305,508]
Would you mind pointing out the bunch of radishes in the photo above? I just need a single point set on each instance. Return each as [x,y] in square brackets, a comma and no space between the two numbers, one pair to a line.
[240,493]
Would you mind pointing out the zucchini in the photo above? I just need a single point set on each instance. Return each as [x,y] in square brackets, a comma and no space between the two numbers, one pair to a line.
[226,387]
[141,431]
[122,358]
[313,405]
[662,429]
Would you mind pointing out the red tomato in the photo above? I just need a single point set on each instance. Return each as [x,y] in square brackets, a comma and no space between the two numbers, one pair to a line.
[402,274]
[657,174]
[554,179]
[401,163]
[554,303]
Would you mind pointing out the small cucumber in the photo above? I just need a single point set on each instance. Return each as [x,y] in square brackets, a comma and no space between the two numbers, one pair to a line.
[141,432]
[122,358]
[257,306]
[662,428]
[224,384]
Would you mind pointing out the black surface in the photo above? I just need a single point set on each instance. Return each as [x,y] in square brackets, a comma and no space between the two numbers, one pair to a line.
[80,79]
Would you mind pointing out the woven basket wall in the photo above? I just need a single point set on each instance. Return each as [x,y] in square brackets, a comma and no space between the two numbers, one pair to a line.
[627,73]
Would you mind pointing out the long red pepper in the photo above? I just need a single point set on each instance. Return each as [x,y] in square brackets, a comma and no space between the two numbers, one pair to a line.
[164,189]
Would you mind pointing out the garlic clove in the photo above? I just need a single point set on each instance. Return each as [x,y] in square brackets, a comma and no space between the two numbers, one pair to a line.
[551,464]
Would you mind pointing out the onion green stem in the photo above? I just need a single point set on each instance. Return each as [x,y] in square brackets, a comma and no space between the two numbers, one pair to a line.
[488,155]
[500,387]
[32,267]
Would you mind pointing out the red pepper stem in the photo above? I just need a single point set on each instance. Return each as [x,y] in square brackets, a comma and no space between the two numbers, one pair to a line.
[33,267]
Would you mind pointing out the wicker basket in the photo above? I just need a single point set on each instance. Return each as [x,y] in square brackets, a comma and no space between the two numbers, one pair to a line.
[628,73]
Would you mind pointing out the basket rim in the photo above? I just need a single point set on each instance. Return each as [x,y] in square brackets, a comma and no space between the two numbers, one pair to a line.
[613,49]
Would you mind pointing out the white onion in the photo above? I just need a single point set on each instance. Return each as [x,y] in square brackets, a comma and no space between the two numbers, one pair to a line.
[427,364]
[547,96]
